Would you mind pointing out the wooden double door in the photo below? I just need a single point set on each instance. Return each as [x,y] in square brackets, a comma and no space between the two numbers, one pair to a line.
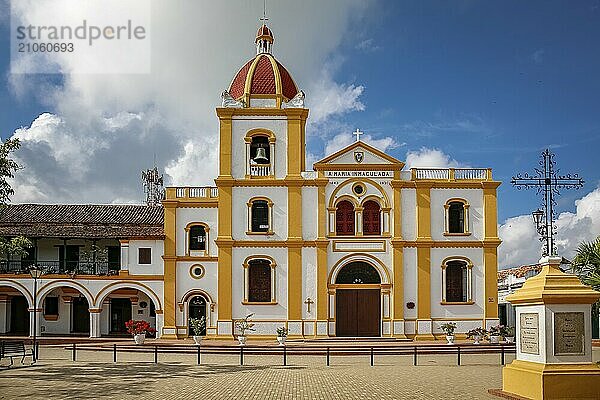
[357,312]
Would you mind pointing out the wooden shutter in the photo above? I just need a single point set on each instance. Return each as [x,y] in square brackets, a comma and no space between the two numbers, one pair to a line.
[371,218]
[259,281]
[344,218]
[456,285]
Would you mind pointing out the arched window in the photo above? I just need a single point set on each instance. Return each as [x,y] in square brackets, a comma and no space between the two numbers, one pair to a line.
[457,217]
[259,281]
[260,152]
[371,218]
[344,218]
[260,216]
[197,238]
[456,281]
[456,278]
[358,272]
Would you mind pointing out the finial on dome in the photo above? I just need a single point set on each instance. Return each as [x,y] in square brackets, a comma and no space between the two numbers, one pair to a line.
[264,36]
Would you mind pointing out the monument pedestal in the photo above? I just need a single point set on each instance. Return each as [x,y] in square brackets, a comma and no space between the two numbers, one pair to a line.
[554,344]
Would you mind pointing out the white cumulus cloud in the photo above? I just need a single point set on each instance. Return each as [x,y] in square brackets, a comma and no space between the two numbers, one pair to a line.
[431,158]
[103,129]
[520,244]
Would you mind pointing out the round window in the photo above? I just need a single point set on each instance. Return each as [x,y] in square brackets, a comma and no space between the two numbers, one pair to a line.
[359,189]
[197,271]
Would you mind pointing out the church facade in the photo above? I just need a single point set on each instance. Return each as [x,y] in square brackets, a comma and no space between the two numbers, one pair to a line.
[355,246]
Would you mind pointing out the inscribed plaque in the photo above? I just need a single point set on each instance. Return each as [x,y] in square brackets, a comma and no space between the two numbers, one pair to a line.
[569,333]
[530,333]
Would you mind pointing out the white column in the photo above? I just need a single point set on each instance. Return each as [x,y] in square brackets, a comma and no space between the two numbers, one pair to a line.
[4,306]
[33,315]
[95,323]
[159,324]
[125,255]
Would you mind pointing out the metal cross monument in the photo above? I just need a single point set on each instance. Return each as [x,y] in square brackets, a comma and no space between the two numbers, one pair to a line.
[548,181]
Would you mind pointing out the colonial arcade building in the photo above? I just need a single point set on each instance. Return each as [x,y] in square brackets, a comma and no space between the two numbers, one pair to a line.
[357,246]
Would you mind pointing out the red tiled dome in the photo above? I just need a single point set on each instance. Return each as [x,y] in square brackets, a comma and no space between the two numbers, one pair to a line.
[263,75]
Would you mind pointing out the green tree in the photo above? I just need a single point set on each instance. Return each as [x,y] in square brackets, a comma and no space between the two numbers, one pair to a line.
[8,167]
[16,246]
[586,265]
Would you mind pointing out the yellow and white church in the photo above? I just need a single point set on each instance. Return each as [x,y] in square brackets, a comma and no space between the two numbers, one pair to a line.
[357,246]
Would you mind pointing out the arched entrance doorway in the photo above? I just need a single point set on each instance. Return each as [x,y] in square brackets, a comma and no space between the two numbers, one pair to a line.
[197,309]
[358,301]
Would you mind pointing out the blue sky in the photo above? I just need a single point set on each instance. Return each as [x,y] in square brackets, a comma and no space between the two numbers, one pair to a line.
[490,84]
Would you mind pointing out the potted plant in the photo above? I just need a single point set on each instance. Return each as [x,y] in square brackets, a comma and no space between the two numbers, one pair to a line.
[495,333]
[476,334]
[197,325]
[282,335]
[509,334]
[243,325]
[138,329]
[449,328]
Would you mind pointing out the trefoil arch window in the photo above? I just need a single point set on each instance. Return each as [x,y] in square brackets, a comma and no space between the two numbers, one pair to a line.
[457,217]
[259,277]
[260,216]
[457,281]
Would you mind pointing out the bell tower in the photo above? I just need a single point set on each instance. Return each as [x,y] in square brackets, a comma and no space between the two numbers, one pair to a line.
[261,159]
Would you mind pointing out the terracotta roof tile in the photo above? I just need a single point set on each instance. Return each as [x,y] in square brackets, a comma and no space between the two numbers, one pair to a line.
[82,221]
[239,82]
[263,80]
[289,88]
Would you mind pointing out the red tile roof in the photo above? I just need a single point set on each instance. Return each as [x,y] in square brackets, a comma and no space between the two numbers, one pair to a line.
[91,221]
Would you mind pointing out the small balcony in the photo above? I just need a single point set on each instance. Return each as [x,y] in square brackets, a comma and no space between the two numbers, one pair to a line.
[189,194]
[101,268]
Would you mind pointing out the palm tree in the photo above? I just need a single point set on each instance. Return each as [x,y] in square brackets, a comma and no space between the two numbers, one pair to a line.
[586,265]
[587,259]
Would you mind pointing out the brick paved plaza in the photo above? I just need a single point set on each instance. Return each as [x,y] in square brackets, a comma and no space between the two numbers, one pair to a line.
[95,376]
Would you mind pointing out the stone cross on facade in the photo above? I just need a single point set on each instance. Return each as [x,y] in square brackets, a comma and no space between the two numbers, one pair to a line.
[308,302]
[358,133]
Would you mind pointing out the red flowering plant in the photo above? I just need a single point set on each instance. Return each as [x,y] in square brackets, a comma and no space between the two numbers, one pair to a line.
[138,327]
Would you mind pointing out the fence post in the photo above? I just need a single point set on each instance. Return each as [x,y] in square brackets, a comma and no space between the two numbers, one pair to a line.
[502,354]
[415,356]
[155,354]
[328,356]
[37,351]
[114,352]
[241,355]
[74,352]
[372,361]
[284,355]
[198,360]
[458,354]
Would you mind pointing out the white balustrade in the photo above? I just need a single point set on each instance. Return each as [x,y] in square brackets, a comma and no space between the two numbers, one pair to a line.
[260,170]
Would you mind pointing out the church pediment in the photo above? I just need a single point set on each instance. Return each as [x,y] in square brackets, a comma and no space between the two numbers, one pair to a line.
[358,155]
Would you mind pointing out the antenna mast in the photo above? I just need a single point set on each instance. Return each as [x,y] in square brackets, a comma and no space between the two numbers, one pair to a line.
[153,186]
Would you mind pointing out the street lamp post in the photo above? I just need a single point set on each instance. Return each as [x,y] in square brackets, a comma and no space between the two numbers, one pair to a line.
[35,272]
